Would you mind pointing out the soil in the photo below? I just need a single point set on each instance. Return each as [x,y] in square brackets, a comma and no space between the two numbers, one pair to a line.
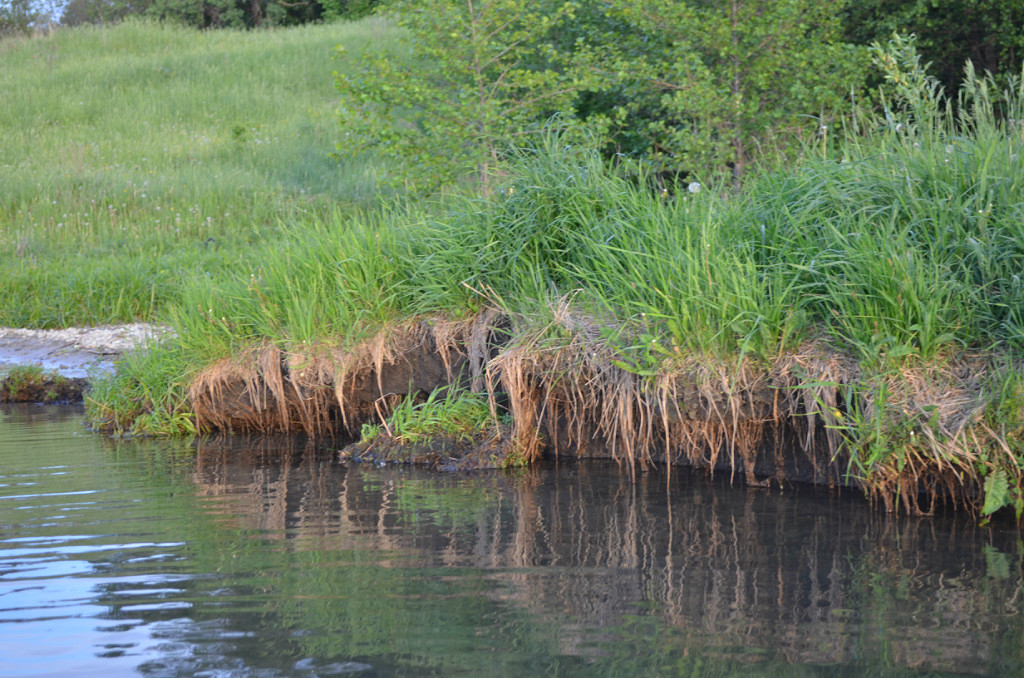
[50,388]
[442,453]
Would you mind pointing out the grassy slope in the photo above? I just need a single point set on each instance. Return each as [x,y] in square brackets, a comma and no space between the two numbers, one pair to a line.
[137,157]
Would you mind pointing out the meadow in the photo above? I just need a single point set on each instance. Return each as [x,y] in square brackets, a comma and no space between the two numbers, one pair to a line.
[137,157]
[868,297]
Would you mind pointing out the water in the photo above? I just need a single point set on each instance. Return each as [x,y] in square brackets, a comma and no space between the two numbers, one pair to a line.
[263,557]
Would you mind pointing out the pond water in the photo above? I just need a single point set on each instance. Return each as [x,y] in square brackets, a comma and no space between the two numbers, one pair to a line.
[265,557]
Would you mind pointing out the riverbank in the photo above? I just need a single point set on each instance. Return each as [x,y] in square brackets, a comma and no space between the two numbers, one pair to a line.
[854,320]
[851,319]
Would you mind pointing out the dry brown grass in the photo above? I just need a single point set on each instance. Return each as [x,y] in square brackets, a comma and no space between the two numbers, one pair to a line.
[567,392]
[937,411]
[318,389]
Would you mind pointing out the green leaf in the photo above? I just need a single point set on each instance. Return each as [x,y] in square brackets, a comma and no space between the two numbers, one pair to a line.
[997,492]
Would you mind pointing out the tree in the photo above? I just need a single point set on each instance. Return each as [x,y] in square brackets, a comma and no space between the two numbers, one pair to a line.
[989,33]
[24,16]
[349,9]
[476,75]
[78,12]
[714,83]
[201,13]
[213,13]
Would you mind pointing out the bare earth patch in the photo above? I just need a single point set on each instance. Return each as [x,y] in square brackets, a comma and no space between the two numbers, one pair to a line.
[75,352]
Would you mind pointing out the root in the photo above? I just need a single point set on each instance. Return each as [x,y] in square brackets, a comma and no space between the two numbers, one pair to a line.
[907,438]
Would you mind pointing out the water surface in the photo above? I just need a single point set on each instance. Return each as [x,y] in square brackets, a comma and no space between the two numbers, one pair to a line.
[265,557]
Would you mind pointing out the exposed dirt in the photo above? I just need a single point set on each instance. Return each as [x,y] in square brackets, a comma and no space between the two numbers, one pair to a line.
[42,388]
[68,357]
[76,351]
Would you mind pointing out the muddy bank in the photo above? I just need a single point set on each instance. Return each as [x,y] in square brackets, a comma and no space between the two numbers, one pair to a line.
[567,400]
[440,453]
[34,385]
[803,416]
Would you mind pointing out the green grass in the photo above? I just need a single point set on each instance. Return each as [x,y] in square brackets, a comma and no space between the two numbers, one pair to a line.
[139,157]
[445,413]
[28,382]
[901,251]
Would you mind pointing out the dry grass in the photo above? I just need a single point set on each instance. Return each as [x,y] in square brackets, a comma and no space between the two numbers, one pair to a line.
[567,393]
[318,389]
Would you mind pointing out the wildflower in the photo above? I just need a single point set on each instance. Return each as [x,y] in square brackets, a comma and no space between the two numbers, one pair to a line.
[949,149]
[694,187]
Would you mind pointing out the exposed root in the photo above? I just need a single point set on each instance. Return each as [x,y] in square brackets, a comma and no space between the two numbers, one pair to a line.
[264,389]
[314,389]
[940,446]
[907,438]
[808,384]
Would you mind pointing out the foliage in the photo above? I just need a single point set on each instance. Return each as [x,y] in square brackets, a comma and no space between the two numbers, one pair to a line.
[215,13]
[21,17]
[349,9]
[446,412]
[986,32]
[716,84]
[476,78]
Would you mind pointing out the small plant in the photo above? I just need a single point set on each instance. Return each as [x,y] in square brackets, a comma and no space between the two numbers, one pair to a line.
[445,413]
[143,397]
[31,383]
[369,432]
[22,377]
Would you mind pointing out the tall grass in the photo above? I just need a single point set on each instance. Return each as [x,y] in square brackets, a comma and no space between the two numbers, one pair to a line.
[139,156]
[906,247]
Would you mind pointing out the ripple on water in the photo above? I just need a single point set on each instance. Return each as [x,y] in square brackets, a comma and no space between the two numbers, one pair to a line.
[263,557]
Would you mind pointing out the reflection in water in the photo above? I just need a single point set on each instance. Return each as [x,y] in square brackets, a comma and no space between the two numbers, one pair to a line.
[800,577]
[265,557]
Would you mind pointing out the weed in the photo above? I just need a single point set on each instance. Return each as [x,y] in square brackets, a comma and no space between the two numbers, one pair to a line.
[446,412]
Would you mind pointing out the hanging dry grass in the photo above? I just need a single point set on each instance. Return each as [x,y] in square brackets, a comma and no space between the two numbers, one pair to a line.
[576,393]
[939,445]
[319,389]
[901,436]
[265,389]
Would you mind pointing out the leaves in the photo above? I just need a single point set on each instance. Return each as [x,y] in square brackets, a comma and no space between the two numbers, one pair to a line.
[477,78]
[997,492]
